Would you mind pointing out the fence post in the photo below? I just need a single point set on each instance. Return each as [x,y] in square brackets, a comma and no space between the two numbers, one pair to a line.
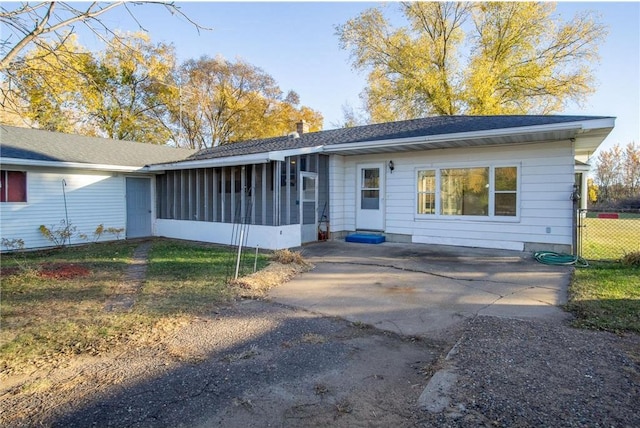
[575,197]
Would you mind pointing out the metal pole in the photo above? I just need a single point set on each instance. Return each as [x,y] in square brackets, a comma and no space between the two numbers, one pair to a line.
[239,253]
[66,212]
[255,262]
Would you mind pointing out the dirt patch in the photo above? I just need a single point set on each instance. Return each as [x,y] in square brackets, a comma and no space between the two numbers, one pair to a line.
[62,271]
[6,271]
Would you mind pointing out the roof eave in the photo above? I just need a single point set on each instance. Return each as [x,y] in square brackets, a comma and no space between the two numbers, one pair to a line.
[74,165]
[563,130]
[254,158]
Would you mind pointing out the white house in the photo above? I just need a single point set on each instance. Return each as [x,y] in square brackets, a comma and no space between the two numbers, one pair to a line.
[47,177]
[483,181]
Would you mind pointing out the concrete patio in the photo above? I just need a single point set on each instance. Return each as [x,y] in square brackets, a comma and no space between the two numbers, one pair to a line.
[424,290]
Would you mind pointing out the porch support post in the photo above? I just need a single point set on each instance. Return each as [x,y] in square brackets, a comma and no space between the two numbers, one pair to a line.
[176,192]
[277,167]
[243,194]
[223,193]
[264,193]
[205,171]
[253,194]
[232,185]
[288,190]
[196,214]
[214,193]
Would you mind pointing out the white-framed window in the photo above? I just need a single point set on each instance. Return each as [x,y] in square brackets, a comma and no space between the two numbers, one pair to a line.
[475,191]
[427,191]
[13,186]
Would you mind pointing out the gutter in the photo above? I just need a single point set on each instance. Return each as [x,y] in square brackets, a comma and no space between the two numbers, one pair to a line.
[75,165]
[254,158]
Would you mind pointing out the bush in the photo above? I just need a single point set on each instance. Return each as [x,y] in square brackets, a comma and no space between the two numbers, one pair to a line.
[631,259]
[58,235]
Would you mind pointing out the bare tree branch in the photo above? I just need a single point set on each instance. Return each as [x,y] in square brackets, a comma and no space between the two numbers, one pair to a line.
[35,21]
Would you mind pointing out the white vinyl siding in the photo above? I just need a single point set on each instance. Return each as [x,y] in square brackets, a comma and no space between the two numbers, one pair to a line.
[93,198]
[545,180]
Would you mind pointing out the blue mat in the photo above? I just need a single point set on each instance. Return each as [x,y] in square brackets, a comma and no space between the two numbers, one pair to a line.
[365,238]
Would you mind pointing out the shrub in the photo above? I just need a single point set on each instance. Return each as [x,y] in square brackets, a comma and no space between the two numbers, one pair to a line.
[631,259]
[58,235]
[13,244]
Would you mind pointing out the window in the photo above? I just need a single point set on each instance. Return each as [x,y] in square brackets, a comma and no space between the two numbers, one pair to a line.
[427,192]
[464,191]
[478,191]
[506,185]
[13,186]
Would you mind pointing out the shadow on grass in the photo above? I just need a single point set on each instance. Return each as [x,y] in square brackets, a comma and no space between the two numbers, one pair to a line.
[614,315]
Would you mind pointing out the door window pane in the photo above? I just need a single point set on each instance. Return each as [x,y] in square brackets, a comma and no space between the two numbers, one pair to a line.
[309,189]
[371,178]
[370,200]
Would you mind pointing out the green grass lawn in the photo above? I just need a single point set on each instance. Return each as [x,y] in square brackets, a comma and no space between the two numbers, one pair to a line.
[606,296]
[609,239]
[45,317]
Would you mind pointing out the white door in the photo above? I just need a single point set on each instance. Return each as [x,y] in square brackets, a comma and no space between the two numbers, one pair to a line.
[308,198]
[370,198]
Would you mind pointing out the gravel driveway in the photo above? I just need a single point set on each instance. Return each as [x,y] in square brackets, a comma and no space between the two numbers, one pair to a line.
[259,364]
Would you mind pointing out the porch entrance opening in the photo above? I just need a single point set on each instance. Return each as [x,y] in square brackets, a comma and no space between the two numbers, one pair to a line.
[309,206]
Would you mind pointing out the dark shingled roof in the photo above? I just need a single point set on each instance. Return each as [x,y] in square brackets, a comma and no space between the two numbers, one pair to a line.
[39,145]
[430,126]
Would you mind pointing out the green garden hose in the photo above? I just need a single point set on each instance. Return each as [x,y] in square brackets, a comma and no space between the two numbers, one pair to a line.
[559,259]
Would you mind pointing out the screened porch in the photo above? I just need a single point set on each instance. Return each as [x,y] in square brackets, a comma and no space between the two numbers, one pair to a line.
[273,193]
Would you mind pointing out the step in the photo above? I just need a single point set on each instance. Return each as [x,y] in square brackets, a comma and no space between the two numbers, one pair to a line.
[365,238]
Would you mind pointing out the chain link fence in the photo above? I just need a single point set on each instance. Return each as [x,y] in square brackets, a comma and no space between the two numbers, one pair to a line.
[608,235]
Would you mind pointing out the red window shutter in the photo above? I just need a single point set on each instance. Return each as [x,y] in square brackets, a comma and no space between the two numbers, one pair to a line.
[16,186]
[3,186]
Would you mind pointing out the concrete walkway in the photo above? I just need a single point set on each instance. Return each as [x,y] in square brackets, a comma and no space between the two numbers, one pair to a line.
[424,290]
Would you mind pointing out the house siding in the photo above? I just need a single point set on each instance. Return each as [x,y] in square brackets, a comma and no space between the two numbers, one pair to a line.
[546,178]
[92,199]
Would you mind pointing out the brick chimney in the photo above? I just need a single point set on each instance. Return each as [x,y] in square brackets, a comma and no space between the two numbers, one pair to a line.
[302,127]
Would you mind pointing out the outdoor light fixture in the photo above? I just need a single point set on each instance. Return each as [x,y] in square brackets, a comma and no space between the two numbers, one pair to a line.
[391,166]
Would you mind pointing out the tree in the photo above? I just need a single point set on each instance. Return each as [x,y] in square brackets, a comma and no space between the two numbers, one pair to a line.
[350,118]
[123,98]
[45,23]
[617,174]
[46,28]
[522,59]
[227,101]
[114,94]
[41,95]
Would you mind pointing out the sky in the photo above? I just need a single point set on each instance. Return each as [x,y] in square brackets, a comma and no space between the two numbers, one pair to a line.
[295,43]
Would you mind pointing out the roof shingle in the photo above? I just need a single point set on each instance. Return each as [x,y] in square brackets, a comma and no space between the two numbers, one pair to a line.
[430,126]
[39,145]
